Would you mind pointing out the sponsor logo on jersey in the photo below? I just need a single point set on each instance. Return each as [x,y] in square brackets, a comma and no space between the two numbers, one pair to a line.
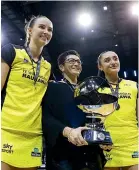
[127,84]
[30,75]
[124,95]
[7,148]
[36,153]
[135,154]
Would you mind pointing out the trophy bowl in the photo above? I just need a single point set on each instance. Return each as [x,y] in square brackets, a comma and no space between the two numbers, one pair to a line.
[97,105]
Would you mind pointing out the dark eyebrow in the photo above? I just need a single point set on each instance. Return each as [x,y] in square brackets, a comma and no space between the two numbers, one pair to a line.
[42,24]
[106,58]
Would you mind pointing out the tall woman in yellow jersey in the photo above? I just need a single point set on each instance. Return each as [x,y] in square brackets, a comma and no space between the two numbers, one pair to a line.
[24,77]
[122,123]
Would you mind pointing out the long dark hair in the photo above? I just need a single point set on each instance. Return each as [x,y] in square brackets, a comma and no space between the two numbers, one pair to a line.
[101,73]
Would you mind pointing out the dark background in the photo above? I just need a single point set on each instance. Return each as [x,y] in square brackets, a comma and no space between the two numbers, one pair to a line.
[115,26]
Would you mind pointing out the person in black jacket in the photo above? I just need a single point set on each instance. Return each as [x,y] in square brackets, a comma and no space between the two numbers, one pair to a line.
[63,122]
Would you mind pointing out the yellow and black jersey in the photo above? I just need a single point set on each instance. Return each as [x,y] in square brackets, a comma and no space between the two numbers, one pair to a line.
[122,125]
[127,97]
[21,97]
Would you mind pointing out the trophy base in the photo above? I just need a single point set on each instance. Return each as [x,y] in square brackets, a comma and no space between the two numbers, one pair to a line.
[97,137]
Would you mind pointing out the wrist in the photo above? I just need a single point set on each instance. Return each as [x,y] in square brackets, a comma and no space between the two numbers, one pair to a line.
[66,131]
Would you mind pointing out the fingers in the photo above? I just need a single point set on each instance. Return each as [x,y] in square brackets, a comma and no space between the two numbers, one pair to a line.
[76,138]
[81,141]
[84,128]
[73,140]
[106,147]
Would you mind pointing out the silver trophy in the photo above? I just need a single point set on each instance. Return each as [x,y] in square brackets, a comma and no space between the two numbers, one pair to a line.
[97,105]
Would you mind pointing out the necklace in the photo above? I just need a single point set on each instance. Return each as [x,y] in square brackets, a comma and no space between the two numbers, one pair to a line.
[115,92]
[72,86]
[36,75]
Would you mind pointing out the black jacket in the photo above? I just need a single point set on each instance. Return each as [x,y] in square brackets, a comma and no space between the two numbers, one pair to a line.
[58,111]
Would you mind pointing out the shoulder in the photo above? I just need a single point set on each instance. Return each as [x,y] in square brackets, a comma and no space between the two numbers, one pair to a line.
[45,62]
[54,90]
[11,47]
[125,81]
[130,83]
[8,49]
[57,87]
[8,53]
[54,83]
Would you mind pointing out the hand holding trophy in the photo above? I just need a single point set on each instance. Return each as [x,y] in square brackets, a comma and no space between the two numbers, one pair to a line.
[97,105]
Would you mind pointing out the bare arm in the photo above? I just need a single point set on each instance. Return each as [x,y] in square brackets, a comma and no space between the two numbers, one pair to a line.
[4,72]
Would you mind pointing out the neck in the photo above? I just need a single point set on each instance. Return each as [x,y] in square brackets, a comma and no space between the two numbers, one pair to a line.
[112,78]
[35,50]
[71,79]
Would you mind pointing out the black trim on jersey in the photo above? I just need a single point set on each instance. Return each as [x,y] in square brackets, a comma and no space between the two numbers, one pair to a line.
[3,92]
[8,54]
[18,46]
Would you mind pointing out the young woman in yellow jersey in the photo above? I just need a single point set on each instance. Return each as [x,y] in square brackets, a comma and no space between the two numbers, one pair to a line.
[122,123]
[24,79]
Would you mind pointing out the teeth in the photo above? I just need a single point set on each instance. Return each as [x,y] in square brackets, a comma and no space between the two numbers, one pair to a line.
[43,37]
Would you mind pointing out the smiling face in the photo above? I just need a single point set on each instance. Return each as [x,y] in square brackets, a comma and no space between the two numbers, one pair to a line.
[109,63]
[41,31]
[72,66]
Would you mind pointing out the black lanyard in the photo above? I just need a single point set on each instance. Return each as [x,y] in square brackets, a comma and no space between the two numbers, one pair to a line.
[116,92]
[36,75]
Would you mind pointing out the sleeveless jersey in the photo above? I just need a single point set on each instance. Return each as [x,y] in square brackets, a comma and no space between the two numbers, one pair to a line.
[21,108]
[122,125]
